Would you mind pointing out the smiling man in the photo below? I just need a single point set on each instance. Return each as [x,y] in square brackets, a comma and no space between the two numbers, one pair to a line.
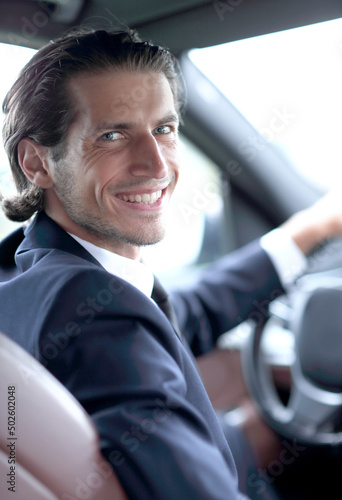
[91,135]
[121,162]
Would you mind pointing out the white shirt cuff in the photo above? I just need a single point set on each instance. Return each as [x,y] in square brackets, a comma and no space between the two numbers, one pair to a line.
[288,260]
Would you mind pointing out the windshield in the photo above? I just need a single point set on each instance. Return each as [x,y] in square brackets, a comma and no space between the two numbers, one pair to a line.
[288,85]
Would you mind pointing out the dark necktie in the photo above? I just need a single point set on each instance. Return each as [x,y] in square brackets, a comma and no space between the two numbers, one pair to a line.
[161,298]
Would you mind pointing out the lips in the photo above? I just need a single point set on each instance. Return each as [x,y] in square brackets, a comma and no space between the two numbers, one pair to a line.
[144,198]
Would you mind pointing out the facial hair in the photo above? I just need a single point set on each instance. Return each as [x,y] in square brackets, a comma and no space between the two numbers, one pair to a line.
[101,227]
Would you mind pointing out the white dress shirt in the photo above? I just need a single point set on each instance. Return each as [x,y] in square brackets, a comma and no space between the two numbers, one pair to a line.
[136,273]
[287,258]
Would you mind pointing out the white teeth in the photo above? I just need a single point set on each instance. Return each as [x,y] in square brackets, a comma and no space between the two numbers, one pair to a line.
[146,198]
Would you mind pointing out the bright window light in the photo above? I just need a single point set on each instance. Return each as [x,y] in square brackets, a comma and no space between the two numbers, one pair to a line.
[12,58]
[288,85]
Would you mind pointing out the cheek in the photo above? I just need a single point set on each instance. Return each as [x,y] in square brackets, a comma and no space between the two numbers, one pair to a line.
[176,162]
[171,153]
[101,170]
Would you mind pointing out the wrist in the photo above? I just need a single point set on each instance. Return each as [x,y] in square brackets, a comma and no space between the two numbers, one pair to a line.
[306,235]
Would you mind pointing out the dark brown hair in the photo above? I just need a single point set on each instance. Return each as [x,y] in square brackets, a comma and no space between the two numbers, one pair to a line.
[39,106]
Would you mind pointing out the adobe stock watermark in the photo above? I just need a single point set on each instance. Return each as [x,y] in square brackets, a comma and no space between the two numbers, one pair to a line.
[32,24]
[55,342]
[259,310]
[87,486]
[222,8]
[281,119]
[201,198]
[267,475]
[108,22]
[132,439]
[323,252]
[132,99]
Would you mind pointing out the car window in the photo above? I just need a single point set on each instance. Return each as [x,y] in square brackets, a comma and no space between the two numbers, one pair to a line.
[12,58]
[196,201]
[288,85]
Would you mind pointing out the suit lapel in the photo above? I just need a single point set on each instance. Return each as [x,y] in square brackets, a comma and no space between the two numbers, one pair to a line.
[43,233]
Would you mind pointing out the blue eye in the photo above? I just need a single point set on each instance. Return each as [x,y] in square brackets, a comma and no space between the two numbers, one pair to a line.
[164,129]
[111,136]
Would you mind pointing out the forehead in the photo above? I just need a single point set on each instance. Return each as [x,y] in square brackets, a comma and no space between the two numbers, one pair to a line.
[120,93]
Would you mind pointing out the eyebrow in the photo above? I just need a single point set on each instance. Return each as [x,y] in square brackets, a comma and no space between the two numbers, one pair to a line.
[173,117]
[170,118]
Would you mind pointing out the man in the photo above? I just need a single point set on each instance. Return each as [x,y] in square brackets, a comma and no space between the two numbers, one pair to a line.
[99,169]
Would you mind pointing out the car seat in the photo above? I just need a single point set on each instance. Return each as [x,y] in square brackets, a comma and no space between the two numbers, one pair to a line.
[49,448]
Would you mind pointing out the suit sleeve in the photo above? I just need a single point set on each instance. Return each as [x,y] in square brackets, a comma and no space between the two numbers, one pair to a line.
[134,377]
[238,287]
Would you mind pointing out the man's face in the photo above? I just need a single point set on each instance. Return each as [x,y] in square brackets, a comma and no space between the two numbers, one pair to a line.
[121,165]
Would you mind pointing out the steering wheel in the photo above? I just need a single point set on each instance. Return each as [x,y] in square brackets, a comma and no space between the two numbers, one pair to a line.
[315,401]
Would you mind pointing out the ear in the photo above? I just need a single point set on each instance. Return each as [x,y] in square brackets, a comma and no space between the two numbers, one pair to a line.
[34,163]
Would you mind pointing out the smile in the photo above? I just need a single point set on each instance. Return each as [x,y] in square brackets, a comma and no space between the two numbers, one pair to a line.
[145,198]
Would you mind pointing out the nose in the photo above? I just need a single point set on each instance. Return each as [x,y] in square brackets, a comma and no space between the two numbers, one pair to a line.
[148,158]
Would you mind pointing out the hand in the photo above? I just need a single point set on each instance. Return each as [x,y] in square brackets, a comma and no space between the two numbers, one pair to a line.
[222,375]
[321,221]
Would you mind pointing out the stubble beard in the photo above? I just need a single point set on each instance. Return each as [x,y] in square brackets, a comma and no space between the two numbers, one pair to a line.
[152,230]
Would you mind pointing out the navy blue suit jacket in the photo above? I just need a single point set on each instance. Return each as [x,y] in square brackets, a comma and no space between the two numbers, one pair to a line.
[118,354]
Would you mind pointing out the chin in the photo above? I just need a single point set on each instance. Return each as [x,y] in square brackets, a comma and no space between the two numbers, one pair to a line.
[143,239]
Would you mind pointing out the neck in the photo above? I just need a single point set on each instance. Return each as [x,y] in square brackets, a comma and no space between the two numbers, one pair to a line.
[108,243]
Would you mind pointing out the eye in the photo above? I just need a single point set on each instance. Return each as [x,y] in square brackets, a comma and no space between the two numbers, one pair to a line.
[166,132]
[111,136]
[164,129]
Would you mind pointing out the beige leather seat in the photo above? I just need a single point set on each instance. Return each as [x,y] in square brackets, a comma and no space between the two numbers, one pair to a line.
[46,437]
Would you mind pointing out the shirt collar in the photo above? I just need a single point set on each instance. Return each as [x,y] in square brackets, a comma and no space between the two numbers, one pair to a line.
[136,273]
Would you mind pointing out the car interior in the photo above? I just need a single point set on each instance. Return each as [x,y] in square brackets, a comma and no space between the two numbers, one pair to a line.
[48,414]
[237,184]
